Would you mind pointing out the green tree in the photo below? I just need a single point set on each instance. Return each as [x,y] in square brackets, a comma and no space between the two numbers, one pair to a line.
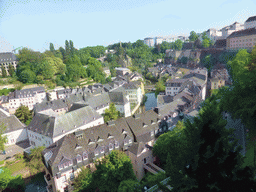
[252,63]
[208,62]
[111,113]
[5,177]
[172,142]
[24,114]
[206,43]
[112,170]
[193,36]
[3,139]
[216,164]
[242,90]
[56,65]
[72,49]
[184,60]
[67,49]
[11,70]
[52,48]
[178,44]
[36,160]
[83,180]
[4,73]
[27,76]
[9,182]
[160,87]
[129,186]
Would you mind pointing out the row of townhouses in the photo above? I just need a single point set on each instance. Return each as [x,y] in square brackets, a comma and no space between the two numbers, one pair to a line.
[233,37]
[152,41]
[135,135]
[7,59]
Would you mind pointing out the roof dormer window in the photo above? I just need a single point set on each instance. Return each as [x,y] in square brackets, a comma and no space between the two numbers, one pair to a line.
[96,152]
[123,131]
[102,149]
[116,144]
[145,125]
[60,167]
[78,158]
[85,155]
[111,146]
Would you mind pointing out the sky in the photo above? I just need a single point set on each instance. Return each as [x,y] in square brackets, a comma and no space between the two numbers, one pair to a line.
[36,23]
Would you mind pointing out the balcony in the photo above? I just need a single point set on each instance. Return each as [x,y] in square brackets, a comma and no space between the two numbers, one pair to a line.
[47,179]
[49,188]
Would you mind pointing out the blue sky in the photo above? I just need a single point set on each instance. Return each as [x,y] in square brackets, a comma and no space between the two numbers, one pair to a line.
[36,23]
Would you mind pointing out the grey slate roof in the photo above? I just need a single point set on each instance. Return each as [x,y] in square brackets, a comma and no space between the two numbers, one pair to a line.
[137,148]
[165,110]
[99,101]
[54,126]
[3,113]
[7,57]
[54,105]
[253,18]
[12,123]
[164,99]
[26,92]
[4,99]
[131,85]
[99,137]
[245,32]
[143,125]
[118,98]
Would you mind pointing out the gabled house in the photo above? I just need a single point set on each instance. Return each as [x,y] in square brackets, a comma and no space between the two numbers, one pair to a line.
[27,97]
[7,59]
[121,102]
[64,158]
[173,86]
[133,135]
[15,130]
[46,128]
[243,39]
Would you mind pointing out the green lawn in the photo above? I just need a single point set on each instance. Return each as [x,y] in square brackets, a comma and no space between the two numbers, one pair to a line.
[17,166]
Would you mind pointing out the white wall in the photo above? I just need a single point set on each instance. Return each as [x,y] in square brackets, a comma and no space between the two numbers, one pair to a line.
[40,140]
[60,182]
[16,136]
[127,109]
[102,110]
[172,90]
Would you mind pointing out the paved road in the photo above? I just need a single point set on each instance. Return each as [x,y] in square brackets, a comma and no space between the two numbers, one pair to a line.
[14,149]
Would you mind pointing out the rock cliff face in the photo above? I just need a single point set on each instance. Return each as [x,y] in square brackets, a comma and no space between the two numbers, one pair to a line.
[193,56]
[125,61]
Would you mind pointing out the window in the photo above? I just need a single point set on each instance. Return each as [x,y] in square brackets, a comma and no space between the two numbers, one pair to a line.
[60,167]
[130,141]
[70,163]
[152,133]
[116,144]
[96,152]
[85,156]
[78,158]
[110,147]
[102,150]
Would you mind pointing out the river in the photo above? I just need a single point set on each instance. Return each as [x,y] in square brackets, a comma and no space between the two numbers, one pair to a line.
[151,101]
[37,184]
